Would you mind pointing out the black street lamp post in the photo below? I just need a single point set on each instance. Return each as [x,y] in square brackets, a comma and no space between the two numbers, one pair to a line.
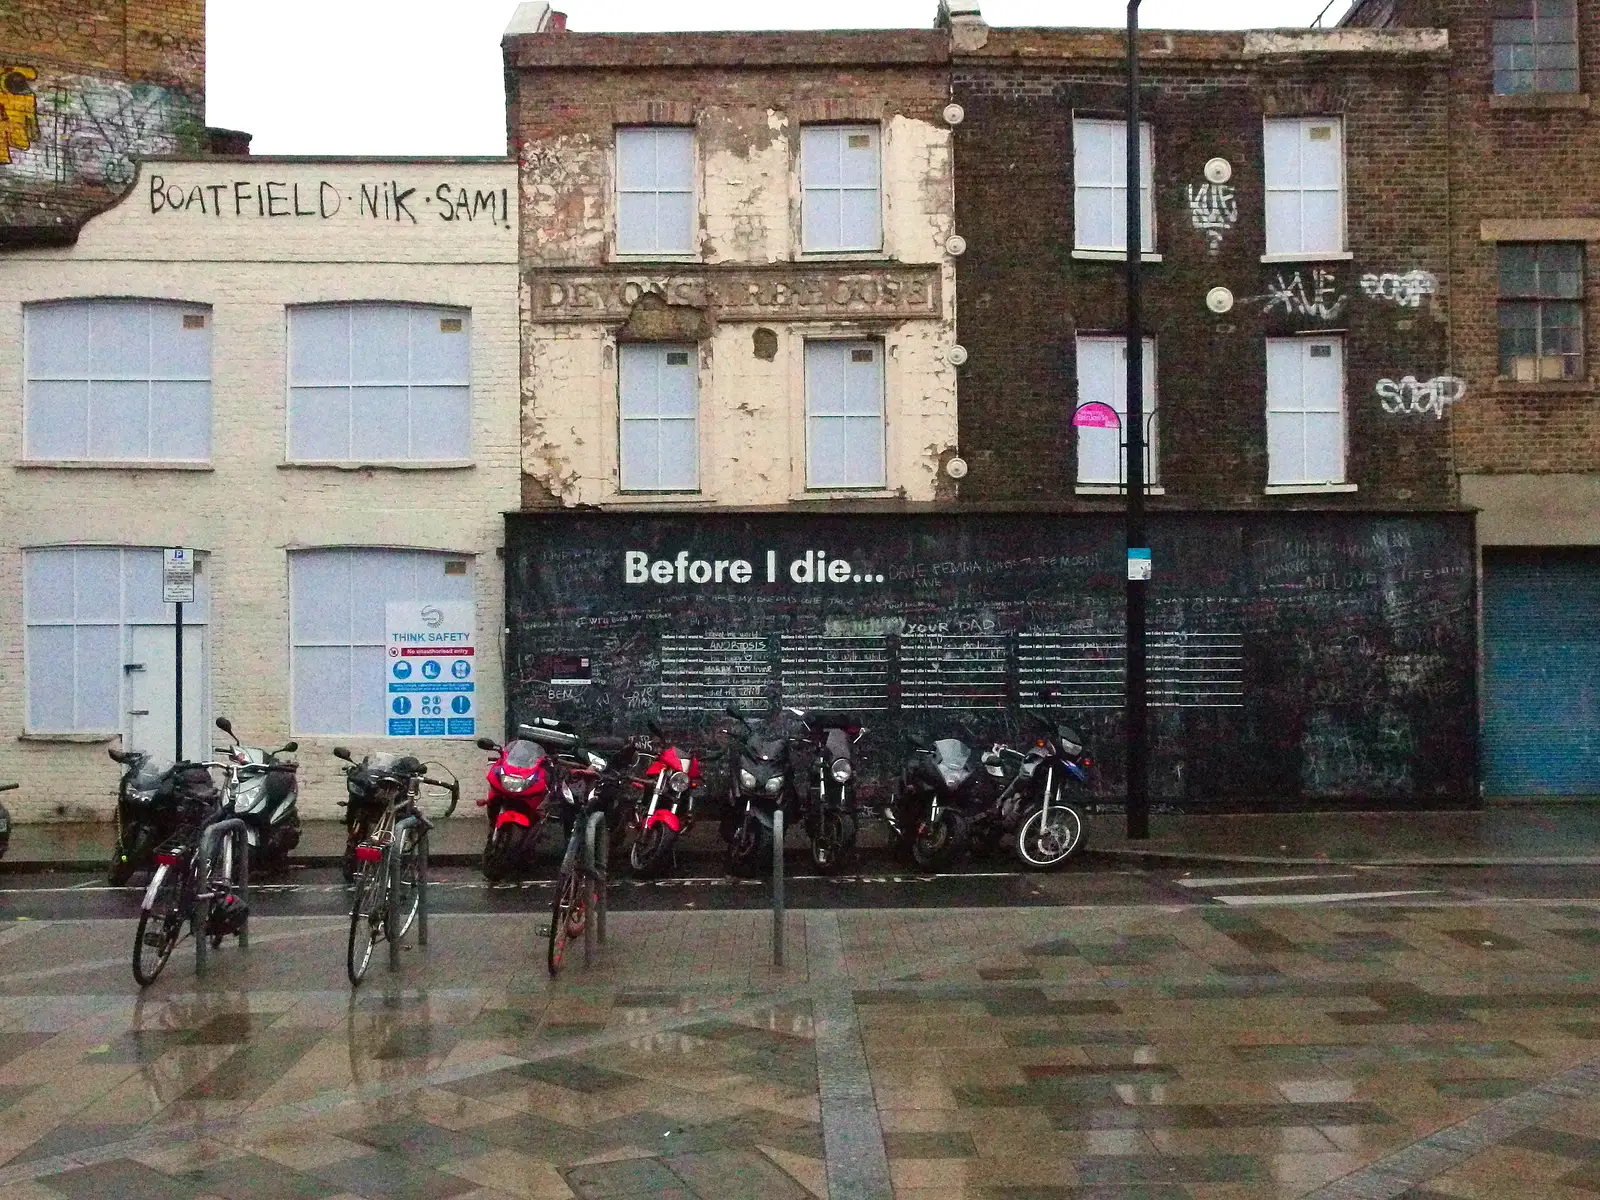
[1135,730]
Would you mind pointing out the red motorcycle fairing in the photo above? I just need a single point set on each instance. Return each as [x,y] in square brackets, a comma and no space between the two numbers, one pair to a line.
[669,761]
[665,816]
[511,816]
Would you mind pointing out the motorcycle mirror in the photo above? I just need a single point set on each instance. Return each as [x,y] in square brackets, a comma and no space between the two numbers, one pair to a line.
[342,752]
[224,724]
[487,744]
[289,747]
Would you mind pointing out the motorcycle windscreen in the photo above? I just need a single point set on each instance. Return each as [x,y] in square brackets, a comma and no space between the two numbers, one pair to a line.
[838,744]
[954,760]
[523,754]
[764,751]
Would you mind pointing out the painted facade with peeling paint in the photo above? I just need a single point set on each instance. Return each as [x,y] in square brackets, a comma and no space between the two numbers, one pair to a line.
[743,293]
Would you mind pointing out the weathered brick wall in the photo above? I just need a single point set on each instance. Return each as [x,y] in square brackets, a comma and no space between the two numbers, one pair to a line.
[1024,296]
[84,86]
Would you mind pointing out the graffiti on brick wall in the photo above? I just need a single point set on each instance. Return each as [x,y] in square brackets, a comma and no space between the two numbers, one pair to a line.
[1405,289]
[84,131]
[1213,211]
[1314,294]
[1409,396]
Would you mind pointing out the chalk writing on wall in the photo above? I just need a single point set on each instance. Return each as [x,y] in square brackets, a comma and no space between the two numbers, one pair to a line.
[320,199]
[1213,210]
[19,121]
[1312,294]
[1409,396]
[1406,289]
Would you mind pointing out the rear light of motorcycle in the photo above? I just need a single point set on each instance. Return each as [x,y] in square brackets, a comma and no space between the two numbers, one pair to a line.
[369,854]
[166,859]
[1088,762]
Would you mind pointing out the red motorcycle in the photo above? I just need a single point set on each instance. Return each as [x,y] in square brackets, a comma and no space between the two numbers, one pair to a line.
[519,784]
[660,821]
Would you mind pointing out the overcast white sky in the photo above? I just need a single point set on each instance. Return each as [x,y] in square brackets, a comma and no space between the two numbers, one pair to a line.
[423,76]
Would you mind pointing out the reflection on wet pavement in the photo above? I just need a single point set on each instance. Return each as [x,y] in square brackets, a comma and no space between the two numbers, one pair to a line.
[1110,1053]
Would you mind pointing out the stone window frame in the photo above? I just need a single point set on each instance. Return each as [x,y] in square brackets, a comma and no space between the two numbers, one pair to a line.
[1149,230]
[1538,298]
[873,128]
[625,349]
[843,334]
[1529,12]
[1306,341]
[655,118]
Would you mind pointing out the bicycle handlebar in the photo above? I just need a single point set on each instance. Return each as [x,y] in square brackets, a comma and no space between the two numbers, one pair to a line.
[9,787]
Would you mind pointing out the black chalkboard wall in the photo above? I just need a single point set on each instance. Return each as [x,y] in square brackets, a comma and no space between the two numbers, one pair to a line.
[1297,659]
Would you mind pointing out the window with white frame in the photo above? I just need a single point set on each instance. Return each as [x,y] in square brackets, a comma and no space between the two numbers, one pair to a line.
[1305,411]
[1103,379]
[844,414]
[658,404]
[841,207]
[1305,185]
[111,380]
[655,190]
[1100,185]
[337,606]
[80,605]
[376,383]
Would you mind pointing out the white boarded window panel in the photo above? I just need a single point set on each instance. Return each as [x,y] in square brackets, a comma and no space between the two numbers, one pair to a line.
[658,401]
[839,173]
[338,601]
[1103,378]
[1305,185]
[1305,411]
[1100,193]
[379,383]
[844,414]
[655,191]
[118,380]
[78,605]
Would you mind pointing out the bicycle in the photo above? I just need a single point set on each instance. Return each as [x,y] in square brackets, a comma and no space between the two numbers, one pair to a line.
[569,912]
[391,860]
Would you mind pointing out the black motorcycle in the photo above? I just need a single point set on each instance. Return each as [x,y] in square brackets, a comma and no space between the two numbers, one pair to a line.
[945,796]
[829,816]
[371,785]
[763,779]
[155,798]
[266,798]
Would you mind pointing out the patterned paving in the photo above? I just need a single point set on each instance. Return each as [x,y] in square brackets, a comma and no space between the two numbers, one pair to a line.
[1109,1053]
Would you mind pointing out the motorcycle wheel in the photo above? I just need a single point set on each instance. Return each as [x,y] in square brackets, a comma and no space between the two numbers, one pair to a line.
[651,855]
[933,846]
[1047,848]
[831,841]
[750,851]
[502,852]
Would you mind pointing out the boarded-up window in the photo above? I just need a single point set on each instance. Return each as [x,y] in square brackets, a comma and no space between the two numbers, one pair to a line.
[1305,411]
[844,415]
[839,173]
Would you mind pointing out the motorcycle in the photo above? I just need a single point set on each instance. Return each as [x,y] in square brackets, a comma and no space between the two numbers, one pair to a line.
[944,794]
[371,785]
[830,811]
[760,783]
[668,814]
[155,797]
[266,798]
[1043,828]
[5,818]
[519,782]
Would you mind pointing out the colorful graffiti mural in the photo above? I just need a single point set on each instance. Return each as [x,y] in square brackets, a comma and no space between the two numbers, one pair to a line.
[19,123]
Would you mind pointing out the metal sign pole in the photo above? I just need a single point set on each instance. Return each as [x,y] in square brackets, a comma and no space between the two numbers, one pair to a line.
[1138,548]
[177,625]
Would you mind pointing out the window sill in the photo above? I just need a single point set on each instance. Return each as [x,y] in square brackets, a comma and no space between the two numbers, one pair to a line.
[442,464]
[654,499]
[1114,256]
[74,739]
[1540,100]
[1310,256]
[104,464]
[655,258]
[847,494]
[1112,489]
[1546,387]
[1307,489]
[875,254]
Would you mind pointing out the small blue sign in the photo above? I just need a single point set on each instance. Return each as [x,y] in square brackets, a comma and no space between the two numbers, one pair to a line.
[430,669]
[401,705]
[462,726]
[399,728]
[430,727]
[461,668]
[461,704]
[402,669]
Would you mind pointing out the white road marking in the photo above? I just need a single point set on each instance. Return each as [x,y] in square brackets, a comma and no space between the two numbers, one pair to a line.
[1241,880]
[1320,897]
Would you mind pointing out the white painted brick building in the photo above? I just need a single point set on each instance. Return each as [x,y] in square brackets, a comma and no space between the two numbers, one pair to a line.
[306,370]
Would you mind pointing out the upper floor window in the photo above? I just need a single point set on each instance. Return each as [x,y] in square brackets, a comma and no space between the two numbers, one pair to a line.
[1305,411]
[658,402]
[839,174]
[1535,46]
[378,383]
[844,414]
[1305,186]
[112,380]
[655,190]
[1103,379]
[1100,191]
[1541,311]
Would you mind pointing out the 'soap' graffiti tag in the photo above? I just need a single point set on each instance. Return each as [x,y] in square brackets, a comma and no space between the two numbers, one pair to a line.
[1409,396]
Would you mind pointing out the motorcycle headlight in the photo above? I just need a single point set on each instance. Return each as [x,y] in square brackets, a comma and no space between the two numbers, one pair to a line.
[841,770]
[775,785]
[746,779]
[678,782]
[515,783]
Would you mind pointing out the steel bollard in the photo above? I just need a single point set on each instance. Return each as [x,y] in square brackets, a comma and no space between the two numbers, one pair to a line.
[591,899]
[244,888]
[777,888]
[603,853]
[423,884]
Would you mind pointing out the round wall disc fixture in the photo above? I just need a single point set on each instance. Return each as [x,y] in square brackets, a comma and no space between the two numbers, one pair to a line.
[956,355]
[956,468]
[1219,170]
[1219,300]
[955,245]
[954,114]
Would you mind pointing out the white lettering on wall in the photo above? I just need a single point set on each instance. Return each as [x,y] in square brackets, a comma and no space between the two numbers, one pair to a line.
[1315,294]
[1213,211]
[1406,290]
[1409,396]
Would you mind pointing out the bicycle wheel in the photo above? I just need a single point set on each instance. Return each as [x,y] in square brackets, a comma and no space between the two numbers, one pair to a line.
[567,916]
[160,926]
[366,919]
[406,896]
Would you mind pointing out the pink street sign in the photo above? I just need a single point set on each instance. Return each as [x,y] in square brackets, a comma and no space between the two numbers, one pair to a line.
[1096,415]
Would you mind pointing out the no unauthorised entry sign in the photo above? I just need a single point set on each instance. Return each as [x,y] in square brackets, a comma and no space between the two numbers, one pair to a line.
[430,669]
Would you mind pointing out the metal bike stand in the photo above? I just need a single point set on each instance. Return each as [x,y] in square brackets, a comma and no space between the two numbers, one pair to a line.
[402,829]
[595,861]
[777,888]
[210,838]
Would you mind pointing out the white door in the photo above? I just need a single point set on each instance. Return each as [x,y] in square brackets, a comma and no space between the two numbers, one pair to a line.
[149,692]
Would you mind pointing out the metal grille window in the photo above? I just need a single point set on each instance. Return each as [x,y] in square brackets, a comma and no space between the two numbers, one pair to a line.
[1100,194]
[655,191]
[1103,378]
[839,180]
[844,415]
[112,380]
[1305,186]
[658,399]
[1535,46]
[1541,311]
[1305,411]
[378,383]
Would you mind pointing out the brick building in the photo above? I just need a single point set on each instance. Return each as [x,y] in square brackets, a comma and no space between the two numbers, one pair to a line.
[85,85]
[1524,222]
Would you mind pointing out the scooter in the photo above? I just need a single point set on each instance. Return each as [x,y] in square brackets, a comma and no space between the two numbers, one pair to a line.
[519,779]
[267,798]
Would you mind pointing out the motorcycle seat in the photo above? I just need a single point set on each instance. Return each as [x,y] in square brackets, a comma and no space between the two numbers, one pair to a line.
[606,744]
